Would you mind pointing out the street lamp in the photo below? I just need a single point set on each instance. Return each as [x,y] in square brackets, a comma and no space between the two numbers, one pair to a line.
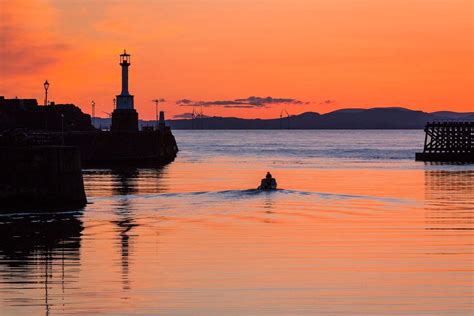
[62,129]
[93,112]
[46,87]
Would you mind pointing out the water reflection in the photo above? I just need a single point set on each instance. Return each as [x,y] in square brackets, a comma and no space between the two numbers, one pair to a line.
[126,181]
[269,204]
[126,184]
[343,240]
[39,253]
[449,199]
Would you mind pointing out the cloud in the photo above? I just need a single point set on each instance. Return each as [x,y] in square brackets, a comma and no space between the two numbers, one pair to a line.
[184,102]
[269,100]
[327,102]
[186,115]
[247,103]
[244,106]
[27,42]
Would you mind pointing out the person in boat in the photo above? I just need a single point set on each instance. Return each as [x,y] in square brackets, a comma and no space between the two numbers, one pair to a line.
[268,183]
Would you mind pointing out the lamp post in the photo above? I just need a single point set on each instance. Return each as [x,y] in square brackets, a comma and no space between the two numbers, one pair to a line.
[46,87]
[93,112]
[62,129]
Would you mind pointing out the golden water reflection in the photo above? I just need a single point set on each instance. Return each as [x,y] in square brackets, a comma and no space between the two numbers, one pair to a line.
[398,242]
[449,199]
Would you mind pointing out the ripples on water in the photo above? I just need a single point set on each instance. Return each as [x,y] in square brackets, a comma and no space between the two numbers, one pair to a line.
[357,228]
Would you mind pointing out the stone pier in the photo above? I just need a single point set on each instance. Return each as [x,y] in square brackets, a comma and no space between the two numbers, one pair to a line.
[40,178]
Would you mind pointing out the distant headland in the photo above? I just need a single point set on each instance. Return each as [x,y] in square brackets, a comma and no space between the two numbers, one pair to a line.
[373,118]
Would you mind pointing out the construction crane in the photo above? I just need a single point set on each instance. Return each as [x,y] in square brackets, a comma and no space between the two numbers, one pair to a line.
[284,111]
[198,118]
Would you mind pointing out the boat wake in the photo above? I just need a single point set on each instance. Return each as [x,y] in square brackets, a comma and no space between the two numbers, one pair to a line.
[254,194]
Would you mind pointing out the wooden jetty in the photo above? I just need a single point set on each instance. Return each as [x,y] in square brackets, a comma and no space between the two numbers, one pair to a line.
[448,141]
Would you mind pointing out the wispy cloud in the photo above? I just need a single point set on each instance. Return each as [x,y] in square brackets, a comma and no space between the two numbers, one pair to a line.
[247,103]
[183,116]
[269,100]
[27,42]
[327,102]
[184,102]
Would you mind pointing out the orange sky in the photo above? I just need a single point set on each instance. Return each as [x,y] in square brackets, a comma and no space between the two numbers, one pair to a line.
[328,54]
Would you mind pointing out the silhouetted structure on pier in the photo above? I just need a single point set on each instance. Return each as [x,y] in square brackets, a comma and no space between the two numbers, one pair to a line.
[448,142]
[124,117]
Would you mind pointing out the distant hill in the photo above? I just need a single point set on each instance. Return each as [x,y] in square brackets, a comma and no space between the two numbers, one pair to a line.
[375,118]
[453,115]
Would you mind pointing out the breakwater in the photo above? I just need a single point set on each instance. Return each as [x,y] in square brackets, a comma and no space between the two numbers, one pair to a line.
[37,177]
[111,149]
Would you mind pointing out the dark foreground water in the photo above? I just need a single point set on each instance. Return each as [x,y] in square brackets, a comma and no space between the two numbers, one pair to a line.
[358,227]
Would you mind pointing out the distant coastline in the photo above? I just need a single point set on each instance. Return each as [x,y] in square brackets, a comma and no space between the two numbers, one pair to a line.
[373,118]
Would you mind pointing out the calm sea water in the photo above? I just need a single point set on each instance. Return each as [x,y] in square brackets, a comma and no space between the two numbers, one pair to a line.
[358,228]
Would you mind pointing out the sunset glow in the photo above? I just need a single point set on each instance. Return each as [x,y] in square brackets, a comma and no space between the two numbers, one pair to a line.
[325,55]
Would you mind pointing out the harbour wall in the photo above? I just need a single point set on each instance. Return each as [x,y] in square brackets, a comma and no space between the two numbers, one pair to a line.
[134,148]
[37,177]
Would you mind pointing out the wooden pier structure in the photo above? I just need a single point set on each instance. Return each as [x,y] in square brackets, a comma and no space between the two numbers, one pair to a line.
[448,141]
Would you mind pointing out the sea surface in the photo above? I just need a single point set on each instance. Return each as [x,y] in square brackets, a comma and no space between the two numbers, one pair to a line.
[356,228]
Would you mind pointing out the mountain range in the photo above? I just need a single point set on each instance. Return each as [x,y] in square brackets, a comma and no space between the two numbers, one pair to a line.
[373,118]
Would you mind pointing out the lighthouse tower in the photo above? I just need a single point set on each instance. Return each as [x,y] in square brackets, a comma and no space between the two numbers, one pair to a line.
[124,116]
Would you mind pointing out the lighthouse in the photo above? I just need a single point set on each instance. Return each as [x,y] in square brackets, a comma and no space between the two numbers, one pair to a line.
[124,116]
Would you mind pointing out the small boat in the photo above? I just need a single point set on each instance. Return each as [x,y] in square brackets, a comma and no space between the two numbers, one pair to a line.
[268,183]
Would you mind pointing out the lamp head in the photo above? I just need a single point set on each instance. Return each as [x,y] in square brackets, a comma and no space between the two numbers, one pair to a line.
[125,59]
